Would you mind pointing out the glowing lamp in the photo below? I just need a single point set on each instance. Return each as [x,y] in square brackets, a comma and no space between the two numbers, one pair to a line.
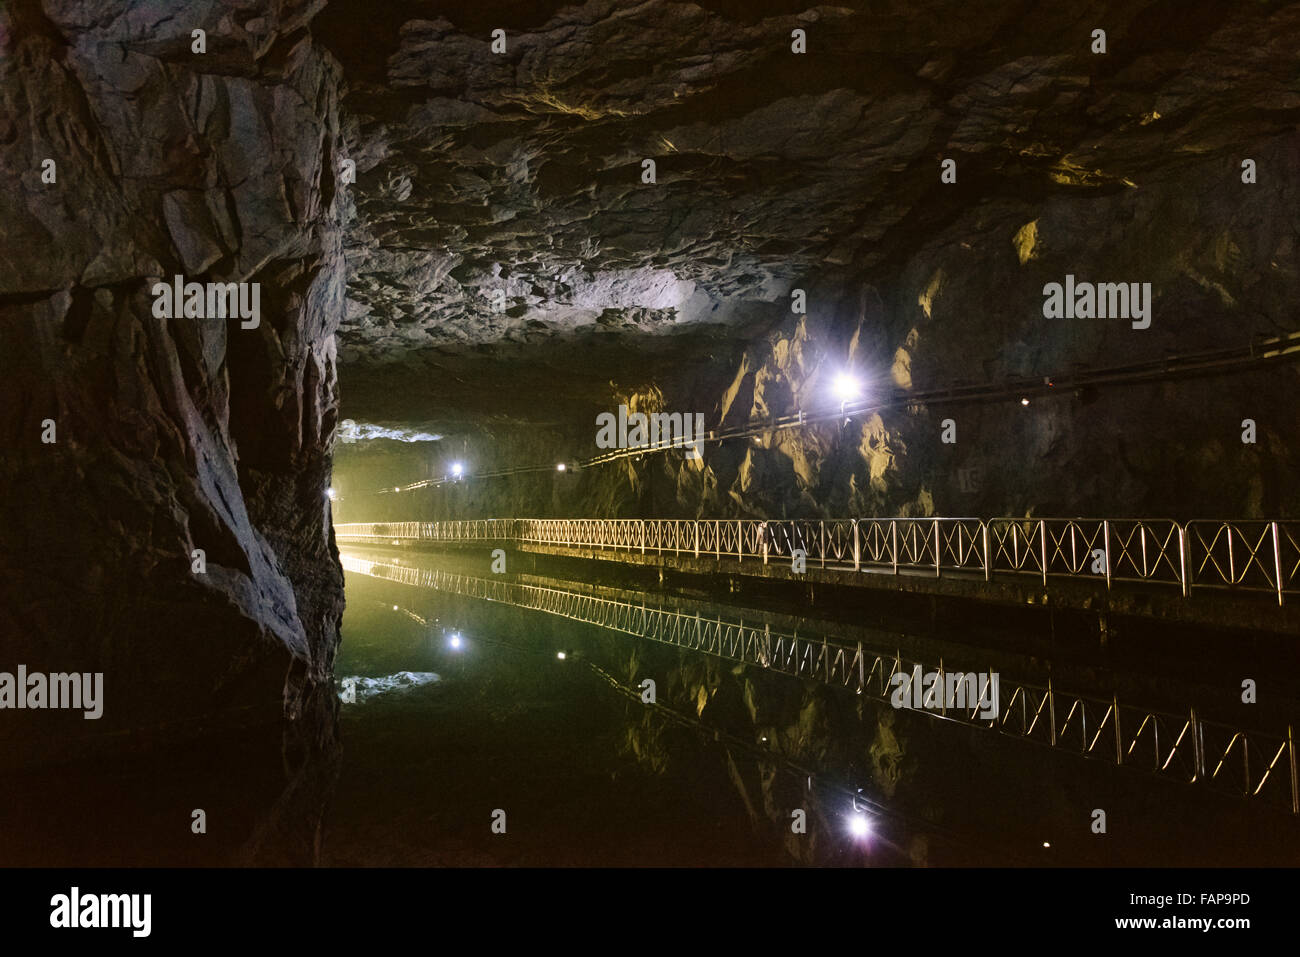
[847,387]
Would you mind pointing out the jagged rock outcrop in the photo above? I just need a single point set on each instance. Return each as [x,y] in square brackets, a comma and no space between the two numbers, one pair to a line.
[169,435]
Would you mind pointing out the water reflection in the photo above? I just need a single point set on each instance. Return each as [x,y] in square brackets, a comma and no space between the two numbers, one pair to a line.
[471,728]
[756,746]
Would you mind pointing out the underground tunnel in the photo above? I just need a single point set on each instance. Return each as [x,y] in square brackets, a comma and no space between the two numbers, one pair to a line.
[649,434]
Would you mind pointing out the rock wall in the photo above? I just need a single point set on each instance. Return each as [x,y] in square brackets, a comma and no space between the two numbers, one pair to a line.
[501,209]
[169,435]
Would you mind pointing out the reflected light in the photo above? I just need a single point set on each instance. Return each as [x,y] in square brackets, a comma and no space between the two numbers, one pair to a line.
[331,493]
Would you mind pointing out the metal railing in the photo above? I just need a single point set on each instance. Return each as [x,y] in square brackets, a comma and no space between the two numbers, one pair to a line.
[1180,745]
[1247,555]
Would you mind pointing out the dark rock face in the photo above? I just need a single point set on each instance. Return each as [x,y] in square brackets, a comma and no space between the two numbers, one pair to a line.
[520,173]
[171,434]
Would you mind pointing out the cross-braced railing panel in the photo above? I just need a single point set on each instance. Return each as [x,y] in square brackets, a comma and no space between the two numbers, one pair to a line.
[1148,551]
[1239,554]
[961,544]
[877,542]
[1070,546]
[1245,556]
[1248,763]
[1016,545]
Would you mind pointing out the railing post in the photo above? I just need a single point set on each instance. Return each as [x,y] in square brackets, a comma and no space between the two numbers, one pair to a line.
[1051,711]
[696,525]
[1182,559]
[1277,563]
[1119,739]
[857,548]
[1295,778]
[1198,757]
[1105,545]
[936,548]
[893,542]
[740,543]
[1042,543]
[822,523]
[643,536]
[1232,561]
[988,557]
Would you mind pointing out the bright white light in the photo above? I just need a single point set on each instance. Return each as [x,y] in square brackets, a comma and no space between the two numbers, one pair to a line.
[331,493]
[847,387]
[1047,844]
[457,469]
[560,655]
[1024,400]
[455,640]
[394,608]
[396,489]
[858,825]
[561,467]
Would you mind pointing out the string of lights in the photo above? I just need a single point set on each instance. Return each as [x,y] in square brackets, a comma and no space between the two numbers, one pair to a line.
[848,388]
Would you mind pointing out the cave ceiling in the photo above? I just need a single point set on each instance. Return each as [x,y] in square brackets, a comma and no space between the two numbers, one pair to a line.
[520,173]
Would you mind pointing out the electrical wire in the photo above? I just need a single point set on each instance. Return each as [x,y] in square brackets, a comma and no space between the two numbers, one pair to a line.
[1210,362]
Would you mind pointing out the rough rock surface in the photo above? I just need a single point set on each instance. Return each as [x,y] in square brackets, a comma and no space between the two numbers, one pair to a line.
[520,172]
[171,434]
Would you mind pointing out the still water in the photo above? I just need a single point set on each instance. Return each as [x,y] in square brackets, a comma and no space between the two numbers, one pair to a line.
[487,721]
[464,708]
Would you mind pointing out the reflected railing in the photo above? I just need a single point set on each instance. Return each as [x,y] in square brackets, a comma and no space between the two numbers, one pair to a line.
[1180,745]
